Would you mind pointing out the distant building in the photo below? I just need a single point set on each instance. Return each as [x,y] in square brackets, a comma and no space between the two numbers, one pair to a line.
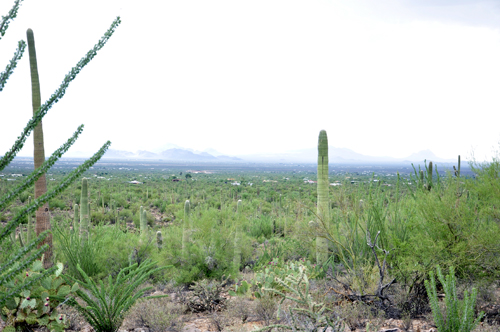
[135,182]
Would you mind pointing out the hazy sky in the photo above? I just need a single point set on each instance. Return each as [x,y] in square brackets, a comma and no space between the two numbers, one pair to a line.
[381,77]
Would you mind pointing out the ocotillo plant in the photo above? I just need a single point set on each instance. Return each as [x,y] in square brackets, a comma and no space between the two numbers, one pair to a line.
[42,214]
[84,212]
[185,230]
[237,236]
[323,208]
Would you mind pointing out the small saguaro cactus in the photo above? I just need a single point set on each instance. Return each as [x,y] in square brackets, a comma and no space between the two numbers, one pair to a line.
[29,230]
[457,171]
[323,206]
[76,217]
[185,229]
[30,220]
[237,236]
[142,222]
[429,176]
[84,212]
[159,240]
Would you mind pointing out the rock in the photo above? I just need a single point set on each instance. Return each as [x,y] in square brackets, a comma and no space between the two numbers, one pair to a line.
[141,329]
[190,328]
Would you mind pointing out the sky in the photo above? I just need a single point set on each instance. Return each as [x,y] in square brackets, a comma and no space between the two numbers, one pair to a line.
[383,78]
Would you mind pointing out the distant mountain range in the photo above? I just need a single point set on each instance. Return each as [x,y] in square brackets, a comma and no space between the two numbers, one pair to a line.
[336,155]
[343,156]
[174,154]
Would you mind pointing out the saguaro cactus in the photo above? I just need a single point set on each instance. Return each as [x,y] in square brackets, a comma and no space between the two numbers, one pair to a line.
[76,217]
[186,229]
[237,236]
[30,224]
[143,221]
[159,241]
[429,176]
[84,212]
[457,171]
[42,214]
[323,205]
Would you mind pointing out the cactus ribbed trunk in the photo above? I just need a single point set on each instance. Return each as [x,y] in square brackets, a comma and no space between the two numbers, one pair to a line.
[42,214]
[30,224]
[84,212]
[76,217]
[237,237]
[159,241]
[185,230]
[323,205]
[142,222]
[429,177]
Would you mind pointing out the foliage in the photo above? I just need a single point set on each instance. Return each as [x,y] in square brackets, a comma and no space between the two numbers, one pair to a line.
[107,304]
[308,315]
[24,256]
[206,295]
[37,305]
[78,252]
[459,315]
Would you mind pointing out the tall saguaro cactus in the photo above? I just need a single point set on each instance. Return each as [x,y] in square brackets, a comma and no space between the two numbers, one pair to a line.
[42,214]
[185,229]
[237,237]
[323,204]
[84,212]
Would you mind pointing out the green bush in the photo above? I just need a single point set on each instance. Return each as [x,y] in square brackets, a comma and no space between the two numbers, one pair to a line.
[107,304]
[458,316]
[37,305]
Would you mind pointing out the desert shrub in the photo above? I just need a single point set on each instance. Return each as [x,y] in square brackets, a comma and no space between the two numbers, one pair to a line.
[126,215]
[97,217]
[266,308]
[210,249]
[77,252]
[457,315]
[206,295]
[158,315]
[262,226]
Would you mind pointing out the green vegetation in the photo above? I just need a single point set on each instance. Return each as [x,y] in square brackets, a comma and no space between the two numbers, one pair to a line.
[289,233]
[459,315]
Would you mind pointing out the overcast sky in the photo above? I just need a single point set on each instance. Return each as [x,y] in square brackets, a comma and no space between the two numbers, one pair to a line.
[383,78]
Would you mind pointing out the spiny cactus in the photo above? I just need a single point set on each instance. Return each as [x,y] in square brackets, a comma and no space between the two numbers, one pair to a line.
[84,212]
[159,240]
[143,221]
[323,205]
[237,236]
[76,217]
[185,230]
[29,230]
[429,176]
[457,171]
[42,214]
[30,222]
